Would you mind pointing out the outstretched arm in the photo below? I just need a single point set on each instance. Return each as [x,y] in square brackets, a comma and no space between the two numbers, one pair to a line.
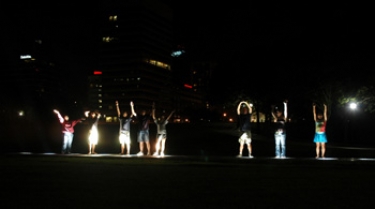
[118,109]
[61,119]
[325,112]
[170,115]
[132,108]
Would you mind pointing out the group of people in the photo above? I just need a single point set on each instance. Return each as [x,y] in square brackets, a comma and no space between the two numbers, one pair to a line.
[244,111]
[125,118]
[280,118]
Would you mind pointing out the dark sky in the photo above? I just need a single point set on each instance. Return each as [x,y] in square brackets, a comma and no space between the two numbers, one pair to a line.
[258,42]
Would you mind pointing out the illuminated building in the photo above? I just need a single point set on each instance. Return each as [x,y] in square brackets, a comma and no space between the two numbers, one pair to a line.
[134,57]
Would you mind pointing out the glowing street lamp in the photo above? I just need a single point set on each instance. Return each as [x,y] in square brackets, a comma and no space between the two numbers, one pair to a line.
[353,105]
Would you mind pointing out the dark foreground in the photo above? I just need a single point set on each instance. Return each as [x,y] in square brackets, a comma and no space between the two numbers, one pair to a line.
[115,181]
[200,170]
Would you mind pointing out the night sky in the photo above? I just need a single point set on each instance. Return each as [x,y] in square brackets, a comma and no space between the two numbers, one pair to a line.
[287,46]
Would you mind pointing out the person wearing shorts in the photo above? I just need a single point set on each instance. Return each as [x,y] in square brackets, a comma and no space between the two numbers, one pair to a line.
[143,120]
[161,134]
[124,134]
[244,112]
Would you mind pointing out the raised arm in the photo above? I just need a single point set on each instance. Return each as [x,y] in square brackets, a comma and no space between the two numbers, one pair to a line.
[61,119]
[132,108]
[273,112]
[118,109]
[249,106]
[325,112]
[153,112]
[285,110]
[239,108]
[170,115]
[314,111]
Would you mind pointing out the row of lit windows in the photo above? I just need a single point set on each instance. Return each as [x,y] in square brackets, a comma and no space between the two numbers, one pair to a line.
[159,64]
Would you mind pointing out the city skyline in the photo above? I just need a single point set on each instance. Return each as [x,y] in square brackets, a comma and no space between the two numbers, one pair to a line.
[253,43]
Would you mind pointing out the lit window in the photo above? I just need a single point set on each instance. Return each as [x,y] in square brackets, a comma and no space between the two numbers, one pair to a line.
[113,18]
[108,39]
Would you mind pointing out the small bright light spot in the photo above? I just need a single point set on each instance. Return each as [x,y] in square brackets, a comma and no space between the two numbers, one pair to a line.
[353,105]
[26,56]
[21,113]
[230,119]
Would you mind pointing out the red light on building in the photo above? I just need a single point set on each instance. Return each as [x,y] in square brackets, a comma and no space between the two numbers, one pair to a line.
[97,72]
[188,86]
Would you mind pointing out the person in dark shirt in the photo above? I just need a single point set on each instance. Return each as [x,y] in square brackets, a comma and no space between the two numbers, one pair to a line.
[124,136]
[280,118]
[244,118]
[143,120]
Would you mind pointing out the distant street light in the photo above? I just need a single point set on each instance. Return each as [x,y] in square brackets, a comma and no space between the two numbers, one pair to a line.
[353,105]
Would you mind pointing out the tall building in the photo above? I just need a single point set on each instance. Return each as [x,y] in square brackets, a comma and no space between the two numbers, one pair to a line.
[34,81]
[134,57]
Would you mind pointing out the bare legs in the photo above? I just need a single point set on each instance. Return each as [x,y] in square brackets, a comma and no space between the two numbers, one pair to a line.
[160,146]
[320,149]
[141,147]
[92,149]
[248,148]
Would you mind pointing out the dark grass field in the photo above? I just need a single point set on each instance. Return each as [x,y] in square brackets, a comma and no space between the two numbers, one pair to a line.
[110,181]
[200,170]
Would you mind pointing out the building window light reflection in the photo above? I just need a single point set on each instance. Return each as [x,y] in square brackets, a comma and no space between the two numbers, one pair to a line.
[113,18]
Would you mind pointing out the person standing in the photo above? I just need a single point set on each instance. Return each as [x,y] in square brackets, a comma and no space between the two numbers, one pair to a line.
[244,118]
[93,120]
[161,134]
[143,129]
[280,120]
[67,130]
[124,135]
[320,137]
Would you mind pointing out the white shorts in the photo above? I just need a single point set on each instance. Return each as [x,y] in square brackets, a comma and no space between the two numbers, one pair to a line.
[244,139]
[124,137]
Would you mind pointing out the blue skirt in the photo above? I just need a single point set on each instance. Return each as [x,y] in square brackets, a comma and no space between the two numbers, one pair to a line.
[320,138]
